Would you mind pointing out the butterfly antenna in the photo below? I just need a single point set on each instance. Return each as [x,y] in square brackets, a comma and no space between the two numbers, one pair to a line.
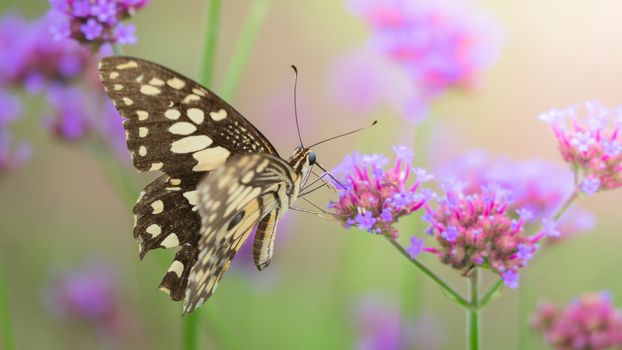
[296,104]
[345,134]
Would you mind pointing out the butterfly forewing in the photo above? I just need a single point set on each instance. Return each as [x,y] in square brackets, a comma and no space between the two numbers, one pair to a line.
[174,124]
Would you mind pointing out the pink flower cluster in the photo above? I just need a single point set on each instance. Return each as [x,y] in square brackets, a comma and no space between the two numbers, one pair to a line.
[440,44]
[477,230]
[591,144]
[95,21]
[591,322]
[536,185]
[374,198]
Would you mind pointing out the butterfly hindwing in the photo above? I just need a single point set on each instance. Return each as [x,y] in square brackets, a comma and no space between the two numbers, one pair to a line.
[174,124]
[233,199]
[166,213]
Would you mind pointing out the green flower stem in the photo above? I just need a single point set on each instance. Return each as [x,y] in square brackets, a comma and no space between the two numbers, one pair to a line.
[525,306]
[245,44]
[210,38]
[6,329]
[223,338]
[452,293]
[490,293]
[190,336]
[473,312]
[574,195]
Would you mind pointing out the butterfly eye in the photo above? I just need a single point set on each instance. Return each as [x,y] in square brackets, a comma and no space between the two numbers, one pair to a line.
[311,158]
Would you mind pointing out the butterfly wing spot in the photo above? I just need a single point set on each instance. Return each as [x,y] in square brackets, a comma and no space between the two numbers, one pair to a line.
[128,101]
[128,64]
[177,268]
[154,230]
[142,115]
[248,177]
[156,82]
[149,90]
[113,75]
[196,115]
[175,182]
[192,197]
[211,158]
[191,144]
[176,83]
[182,128]
[192,97]
[199,92]
[170,241]
[142,151]
[118,87]
[218,116]
[158,207]
[172,114]
[142,132]
[156,166]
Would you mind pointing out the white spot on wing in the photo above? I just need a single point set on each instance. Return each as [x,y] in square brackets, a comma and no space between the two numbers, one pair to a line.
[218,116]
[156,166]
[142,151]
[172,114]
[113,75]
[128,101]
[192,197]
[149,90]
[142,115]
[190,98]
[191,144]
[210,158]
[196,115]
[182,128]
[176,267]
[158,207]
[176,83]
[170,241]
[129,64]
[142,131]
[154,230]
[156,82]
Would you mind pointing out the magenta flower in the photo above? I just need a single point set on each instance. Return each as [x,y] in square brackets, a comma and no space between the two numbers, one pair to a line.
[590,144]
[374,197]
[479,230]
[96,22]
[31,60]
[440,44]
[85,294]
[592,322]
[11,156]
[71,111]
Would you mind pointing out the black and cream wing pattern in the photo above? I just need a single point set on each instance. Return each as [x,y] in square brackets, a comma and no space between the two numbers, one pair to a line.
[214,188]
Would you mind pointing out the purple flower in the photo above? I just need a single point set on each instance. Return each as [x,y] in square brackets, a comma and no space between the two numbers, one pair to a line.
[376,197]
[549,227]
[590,322]
[591,144]
[438,44]
[95,21]
[125,34]
[510,278]
[415,247]
[91,29]
[477,230]
[85,294]
[69,120]
[590,185]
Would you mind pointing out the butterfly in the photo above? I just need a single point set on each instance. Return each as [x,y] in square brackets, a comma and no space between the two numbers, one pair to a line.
[221,177]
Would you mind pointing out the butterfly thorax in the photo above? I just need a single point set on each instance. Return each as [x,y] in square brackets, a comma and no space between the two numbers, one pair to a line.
[301,162]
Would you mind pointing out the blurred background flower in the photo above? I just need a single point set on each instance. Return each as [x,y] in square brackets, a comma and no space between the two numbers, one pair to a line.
[590,322]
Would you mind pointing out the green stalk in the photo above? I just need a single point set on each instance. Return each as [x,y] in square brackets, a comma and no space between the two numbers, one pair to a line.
[525,305]
[574,195]
[210,38]
[6,328]
[490,293]
[452,293]
[191,331]
[473,312]
[245,44]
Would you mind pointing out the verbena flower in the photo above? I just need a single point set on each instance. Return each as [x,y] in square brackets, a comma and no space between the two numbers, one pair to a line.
[85,294]
[591,322]
[71,111]
[32,61]
[381,326]
[440,44]
[478,230]
[376,196]
[590,143]
[537,186]
[94,21]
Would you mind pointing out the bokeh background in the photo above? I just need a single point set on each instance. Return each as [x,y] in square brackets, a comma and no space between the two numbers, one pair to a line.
[60,212]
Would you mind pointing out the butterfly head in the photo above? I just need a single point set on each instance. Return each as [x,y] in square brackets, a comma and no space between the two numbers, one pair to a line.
[302,161]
